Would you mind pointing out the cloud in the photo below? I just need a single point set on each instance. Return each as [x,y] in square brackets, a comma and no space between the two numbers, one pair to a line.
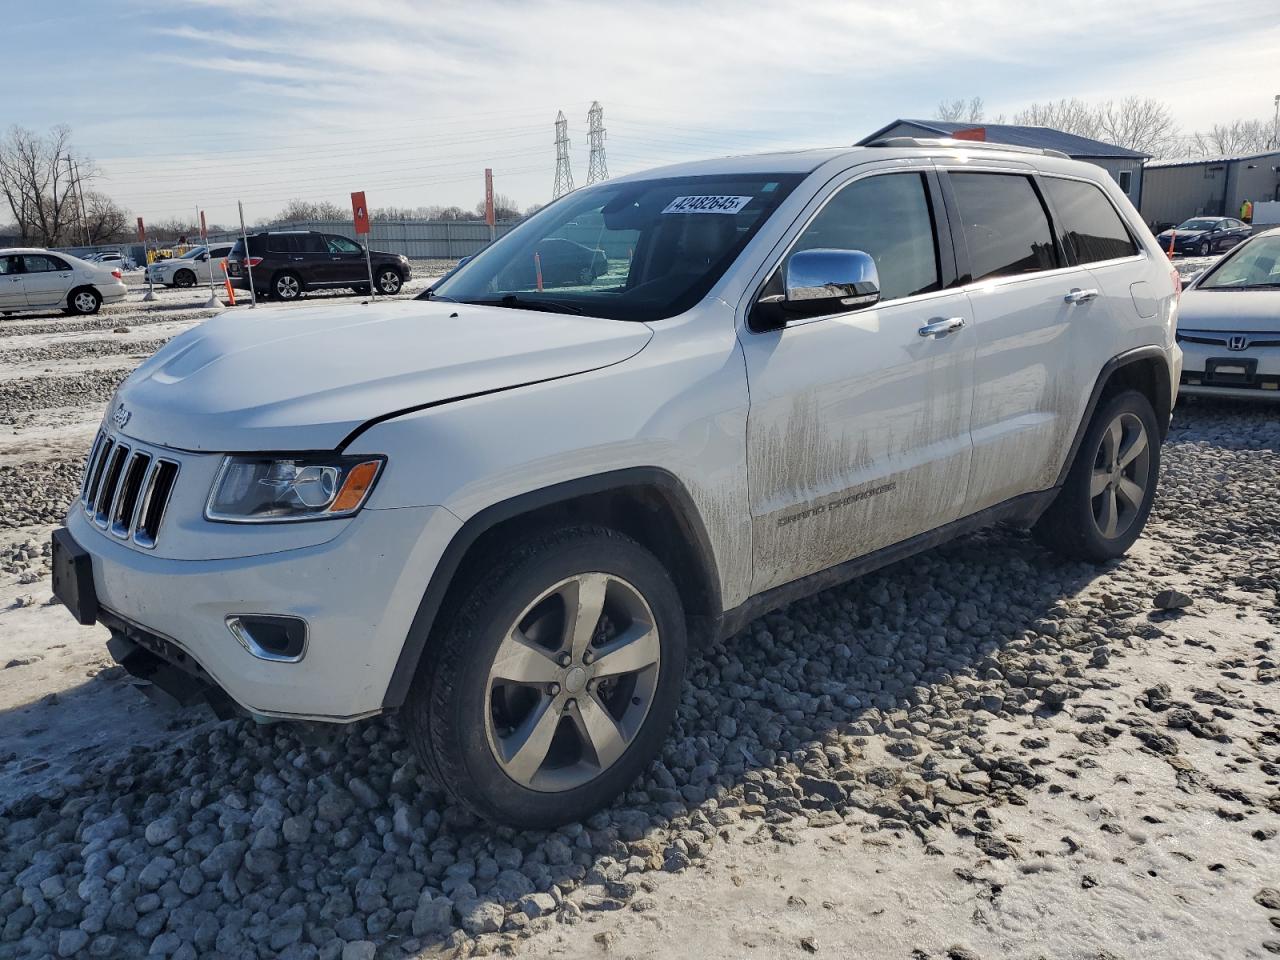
[678,79]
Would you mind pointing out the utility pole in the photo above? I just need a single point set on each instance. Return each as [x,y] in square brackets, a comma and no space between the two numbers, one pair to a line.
[1275,125]
[564,174]
[597,167]
[78,196]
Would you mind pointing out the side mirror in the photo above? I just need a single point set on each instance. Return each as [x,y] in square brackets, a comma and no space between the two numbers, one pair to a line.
[822,281]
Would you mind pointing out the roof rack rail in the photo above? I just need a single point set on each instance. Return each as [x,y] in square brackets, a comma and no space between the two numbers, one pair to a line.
[963,145]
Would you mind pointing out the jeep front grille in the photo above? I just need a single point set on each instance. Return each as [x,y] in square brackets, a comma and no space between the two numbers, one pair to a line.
[126,489]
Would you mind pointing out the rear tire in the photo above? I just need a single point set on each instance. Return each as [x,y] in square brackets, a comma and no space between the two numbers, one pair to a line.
[1106,499]
[530,722]
[84,301]
[286,287]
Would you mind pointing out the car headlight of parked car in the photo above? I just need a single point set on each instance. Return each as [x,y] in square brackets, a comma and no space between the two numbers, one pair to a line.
[288,488]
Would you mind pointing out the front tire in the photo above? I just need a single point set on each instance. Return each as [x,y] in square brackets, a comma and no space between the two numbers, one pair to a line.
[552,683]
[184,278]
[1205,249]
[388,281]
[1104,503]
[84,301]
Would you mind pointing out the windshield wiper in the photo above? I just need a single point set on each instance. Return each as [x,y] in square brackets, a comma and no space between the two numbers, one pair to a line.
[524,303]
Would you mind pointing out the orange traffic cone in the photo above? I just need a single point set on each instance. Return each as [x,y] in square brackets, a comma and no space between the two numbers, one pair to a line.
[226,279]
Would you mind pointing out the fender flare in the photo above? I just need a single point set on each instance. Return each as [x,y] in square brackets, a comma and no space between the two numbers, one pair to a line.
[442,578]
[1164,384]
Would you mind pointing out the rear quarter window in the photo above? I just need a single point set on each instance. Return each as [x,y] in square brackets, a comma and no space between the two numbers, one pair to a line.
[282,243]
[1005,225]
[1089,223]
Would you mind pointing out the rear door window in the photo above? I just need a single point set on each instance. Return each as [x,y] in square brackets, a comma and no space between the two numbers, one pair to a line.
[889,217]
[1088,221]
[1005,225]
[39,263]
[312,243]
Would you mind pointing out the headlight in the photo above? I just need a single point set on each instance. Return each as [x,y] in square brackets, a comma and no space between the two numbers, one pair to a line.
[283,489]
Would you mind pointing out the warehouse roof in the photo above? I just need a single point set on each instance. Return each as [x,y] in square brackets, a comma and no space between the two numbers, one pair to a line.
[1197,161]
[1045,138]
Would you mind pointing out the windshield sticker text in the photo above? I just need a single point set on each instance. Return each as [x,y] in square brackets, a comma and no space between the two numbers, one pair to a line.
[707,204]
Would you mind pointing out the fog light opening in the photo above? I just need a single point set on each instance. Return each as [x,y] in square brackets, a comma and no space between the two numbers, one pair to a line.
[270,637]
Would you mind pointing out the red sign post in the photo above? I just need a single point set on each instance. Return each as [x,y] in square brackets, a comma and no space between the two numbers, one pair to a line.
[488,202]
[142,232]
[360,214]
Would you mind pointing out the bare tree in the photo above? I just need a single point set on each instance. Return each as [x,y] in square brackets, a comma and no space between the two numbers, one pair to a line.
[1236,137]
[1139,123]
[106,220]
[504,208]
[961,110]
[299,210]
[1069,115]
[37,184]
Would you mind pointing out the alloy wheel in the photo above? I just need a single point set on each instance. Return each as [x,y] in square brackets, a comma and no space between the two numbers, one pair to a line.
[287,288]
[85,302]
[572,682]
[389,282]
[1121,475]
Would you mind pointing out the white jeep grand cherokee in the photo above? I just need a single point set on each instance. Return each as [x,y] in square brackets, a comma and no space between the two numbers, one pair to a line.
[511,508]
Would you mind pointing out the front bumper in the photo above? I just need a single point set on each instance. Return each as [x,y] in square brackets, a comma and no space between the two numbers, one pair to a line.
[1215,370]
[358,594]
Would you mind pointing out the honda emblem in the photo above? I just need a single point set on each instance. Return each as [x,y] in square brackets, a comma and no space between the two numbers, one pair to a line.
[1238,342]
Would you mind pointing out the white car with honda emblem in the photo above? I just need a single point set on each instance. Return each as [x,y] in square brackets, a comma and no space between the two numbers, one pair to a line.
[1229,324]
[32,278]
[511,510]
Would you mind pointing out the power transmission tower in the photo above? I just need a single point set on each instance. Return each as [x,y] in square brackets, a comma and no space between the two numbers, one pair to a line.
[564,175]
[597,167]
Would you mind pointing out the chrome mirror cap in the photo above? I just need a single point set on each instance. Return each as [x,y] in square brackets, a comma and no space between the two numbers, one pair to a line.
[843,278]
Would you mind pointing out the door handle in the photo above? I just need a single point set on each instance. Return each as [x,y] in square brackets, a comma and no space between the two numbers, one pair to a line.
[1080,296]
[941,328]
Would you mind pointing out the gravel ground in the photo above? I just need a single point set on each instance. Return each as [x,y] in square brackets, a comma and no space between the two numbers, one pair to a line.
[84,349]
[1080,773]
[49,392]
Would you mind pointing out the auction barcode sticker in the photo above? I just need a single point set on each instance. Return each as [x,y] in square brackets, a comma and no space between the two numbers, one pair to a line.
[707,204]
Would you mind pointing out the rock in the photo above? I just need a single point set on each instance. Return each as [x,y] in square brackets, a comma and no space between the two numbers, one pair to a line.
[71,942]
[359,950]
[364,793]
[535,905]
[480,916]
[296,829]
[161,831]
[433,917]
[1171,600]
[1268,898]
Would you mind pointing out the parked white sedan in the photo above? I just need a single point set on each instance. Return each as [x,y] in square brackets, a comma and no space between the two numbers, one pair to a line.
[1229,324]
[35,279]
[191,268]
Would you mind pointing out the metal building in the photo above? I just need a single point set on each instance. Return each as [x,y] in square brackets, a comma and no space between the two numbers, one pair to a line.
[1208,186]
[1125,165]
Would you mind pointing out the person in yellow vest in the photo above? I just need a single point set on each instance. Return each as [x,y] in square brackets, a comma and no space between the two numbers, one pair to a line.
[1246,211]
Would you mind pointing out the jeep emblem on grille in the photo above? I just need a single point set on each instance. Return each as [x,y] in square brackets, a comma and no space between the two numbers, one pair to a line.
[1238,342]
[120,416]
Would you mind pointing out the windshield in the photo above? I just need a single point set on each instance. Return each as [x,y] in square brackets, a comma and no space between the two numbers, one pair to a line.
[639,250]
[192,254]
[1197,225]
[1255,264]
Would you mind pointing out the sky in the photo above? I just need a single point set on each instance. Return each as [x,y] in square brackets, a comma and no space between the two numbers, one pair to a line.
[197,103]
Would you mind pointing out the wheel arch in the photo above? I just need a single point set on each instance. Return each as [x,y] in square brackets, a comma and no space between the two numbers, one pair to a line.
[1145,369]
[649,504]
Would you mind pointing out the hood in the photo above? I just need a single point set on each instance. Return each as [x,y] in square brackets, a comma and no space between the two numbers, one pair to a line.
[287,378]
[1238,311]
[1187,234]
